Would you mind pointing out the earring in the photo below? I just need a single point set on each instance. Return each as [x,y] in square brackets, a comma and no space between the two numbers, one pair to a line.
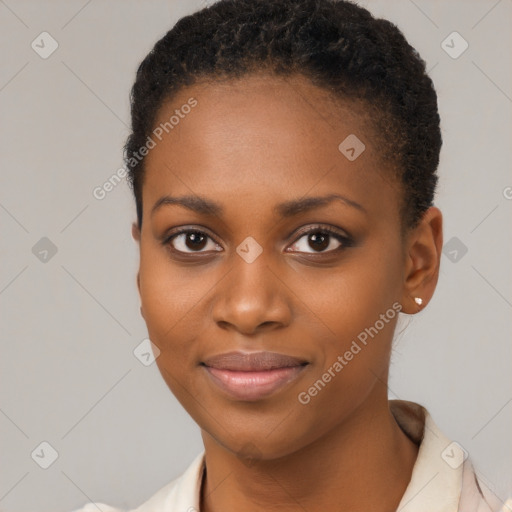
[418,300]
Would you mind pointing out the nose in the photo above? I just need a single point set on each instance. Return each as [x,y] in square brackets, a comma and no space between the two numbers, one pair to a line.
[251,299]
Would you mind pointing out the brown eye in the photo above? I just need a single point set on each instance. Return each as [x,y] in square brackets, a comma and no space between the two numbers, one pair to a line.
[191,241]
[318,240]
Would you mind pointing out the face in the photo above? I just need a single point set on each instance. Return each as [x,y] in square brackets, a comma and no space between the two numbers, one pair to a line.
[261,238]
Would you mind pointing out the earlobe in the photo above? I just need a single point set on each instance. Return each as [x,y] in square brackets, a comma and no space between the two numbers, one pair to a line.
[136,237]
[138,287]
[423,257]
[135,232]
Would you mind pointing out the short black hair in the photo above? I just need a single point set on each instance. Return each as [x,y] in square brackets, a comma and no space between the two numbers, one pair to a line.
[336,44]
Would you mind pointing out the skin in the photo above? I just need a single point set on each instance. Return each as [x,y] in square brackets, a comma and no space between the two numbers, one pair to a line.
[249,145]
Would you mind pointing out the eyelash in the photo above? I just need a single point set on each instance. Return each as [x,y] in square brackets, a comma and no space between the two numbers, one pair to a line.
[344,240]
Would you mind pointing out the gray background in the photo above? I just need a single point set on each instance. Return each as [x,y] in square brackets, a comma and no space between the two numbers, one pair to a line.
[71,322]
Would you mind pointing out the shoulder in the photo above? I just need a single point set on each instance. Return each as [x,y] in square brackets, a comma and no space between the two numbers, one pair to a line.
[95,507]
[182,494]
[477,496]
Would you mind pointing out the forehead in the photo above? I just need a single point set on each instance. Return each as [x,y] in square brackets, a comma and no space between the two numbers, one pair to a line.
[261,137]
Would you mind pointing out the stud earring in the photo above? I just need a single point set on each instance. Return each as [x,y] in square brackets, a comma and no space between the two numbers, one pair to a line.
[418,300]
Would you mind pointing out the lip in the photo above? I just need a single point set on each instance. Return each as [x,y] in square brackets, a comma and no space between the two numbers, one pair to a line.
[252,376]
[252,361]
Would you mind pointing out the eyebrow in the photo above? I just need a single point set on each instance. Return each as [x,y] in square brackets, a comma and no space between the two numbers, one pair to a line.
[205,206]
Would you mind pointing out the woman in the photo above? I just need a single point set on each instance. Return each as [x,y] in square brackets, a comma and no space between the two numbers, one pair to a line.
[283,160]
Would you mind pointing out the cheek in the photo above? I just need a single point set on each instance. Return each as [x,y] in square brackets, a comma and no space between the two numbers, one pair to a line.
[355,359]
[174,299]
[165,301]
[170,300]
[168,292]
[351,297]
[359,305]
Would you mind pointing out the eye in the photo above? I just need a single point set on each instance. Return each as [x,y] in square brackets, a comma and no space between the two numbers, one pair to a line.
[191,241]
[320,239]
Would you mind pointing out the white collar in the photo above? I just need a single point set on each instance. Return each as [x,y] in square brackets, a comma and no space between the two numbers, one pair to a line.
[435,485]
[436,480]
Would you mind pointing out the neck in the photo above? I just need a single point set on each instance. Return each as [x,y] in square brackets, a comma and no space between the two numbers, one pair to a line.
[363,464]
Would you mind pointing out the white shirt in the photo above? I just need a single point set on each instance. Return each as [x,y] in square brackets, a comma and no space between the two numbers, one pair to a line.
[442,480]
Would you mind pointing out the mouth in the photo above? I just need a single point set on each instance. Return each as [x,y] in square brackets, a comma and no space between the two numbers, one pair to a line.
[252,376]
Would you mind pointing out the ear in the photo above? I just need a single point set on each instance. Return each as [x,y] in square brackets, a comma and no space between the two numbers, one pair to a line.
[136,232]
[138,281]
[136,237]
[138,286]
[422,260]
